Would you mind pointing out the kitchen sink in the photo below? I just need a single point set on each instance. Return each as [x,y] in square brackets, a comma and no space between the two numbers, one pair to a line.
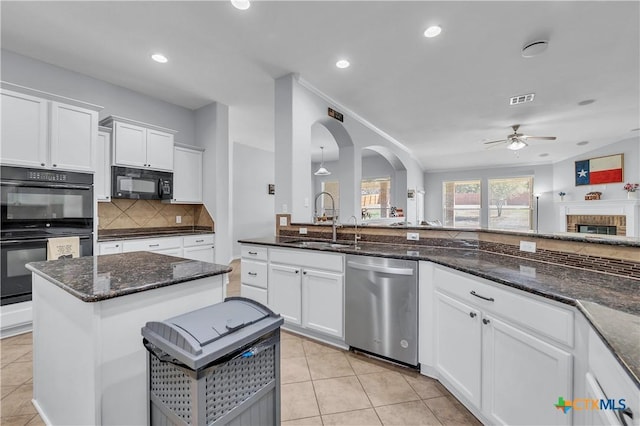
[319,244]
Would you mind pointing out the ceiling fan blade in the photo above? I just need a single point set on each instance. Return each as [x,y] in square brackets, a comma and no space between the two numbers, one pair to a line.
[497,145]
[501,140]
[544,138]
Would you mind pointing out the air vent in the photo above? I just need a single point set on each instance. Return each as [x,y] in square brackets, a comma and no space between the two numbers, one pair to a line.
[521,99]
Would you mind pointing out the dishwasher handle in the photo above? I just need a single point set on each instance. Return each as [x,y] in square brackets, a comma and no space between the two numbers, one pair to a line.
[383,269]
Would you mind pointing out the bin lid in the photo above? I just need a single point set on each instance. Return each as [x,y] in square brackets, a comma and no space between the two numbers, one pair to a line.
[200,336]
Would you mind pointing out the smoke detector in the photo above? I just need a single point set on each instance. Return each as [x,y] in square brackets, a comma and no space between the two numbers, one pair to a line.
[521,99]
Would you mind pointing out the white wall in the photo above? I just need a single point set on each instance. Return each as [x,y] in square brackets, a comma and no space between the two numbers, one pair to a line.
[542,183]
[253,207]
[116,100]
[564,180]
[297,109]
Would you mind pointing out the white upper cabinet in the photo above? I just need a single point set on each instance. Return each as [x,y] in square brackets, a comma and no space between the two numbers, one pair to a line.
[187,175]
[73,137]
[24,130]
[102,178]
[140,145]
[41,132]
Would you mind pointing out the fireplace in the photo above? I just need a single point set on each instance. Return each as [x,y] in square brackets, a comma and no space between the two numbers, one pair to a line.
[623,214]
[596,229]
[597,224]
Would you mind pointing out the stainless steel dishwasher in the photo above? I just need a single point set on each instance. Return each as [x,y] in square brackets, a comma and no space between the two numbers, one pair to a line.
[381,307]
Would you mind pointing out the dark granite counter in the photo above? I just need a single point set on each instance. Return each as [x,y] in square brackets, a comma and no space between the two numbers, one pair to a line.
[611,303]
[96,278]
[141,233]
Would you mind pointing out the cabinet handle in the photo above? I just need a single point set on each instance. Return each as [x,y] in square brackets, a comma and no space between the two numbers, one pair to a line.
[253,253]
[490,299]
[154,245]
[485,321]
[117,245]
[54,165]
[472,314]
[253,274]
[305,272]
[626,412]
[199,241]
[42,164]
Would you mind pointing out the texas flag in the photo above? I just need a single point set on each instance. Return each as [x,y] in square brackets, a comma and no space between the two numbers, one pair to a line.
[599,170]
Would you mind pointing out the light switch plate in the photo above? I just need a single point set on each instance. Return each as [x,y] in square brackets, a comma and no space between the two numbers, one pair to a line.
[528,246]
[413,236]
[283,221]
[178,219]
[303,231]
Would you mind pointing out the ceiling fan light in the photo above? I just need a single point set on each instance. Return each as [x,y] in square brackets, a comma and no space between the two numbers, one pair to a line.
[516,144]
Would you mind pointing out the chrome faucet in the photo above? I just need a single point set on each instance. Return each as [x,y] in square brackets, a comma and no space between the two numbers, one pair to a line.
[356,237]
[333,215]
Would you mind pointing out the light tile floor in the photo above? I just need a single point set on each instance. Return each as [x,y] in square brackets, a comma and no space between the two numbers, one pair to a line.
[321,385]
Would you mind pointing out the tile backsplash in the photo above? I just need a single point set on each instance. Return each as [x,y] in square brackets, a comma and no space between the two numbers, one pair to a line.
[127,214]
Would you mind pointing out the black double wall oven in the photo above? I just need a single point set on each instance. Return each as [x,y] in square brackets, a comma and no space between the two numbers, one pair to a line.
[36,205]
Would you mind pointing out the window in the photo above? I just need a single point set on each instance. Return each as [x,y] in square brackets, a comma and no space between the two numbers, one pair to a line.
[461,203]
[375,201]
[510,203]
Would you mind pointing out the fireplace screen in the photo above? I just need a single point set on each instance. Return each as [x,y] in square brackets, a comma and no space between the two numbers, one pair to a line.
[596,229]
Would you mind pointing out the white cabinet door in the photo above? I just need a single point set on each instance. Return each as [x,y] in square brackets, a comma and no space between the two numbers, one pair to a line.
[254,293]
[458,345]
[129,145]
[102,177]
[596,417]
[24,139]
[159,150]
[177,252]
[284,292]
[201,253]
[322,302]
[73,137]
[187,175]
[109,248]
[522,376]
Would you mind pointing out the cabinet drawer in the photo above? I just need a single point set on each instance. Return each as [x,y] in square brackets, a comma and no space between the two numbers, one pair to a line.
[253,273]
[198,240]
[153,244]
[309,258]
[254,293]
[529,311]
[254,252]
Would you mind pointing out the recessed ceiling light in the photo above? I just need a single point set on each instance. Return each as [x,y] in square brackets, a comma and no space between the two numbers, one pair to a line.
[159,57]
[241,4]
[432,31]
[535,48]
[582,143]
[586,102]
[342,63]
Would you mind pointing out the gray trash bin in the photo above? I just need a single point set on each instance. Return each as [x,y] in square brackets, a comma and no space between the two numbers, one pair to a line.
[216,365]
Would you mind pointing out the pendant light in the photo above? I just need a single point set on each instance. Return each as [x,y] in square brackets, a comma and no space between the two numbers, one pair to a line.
[322,171]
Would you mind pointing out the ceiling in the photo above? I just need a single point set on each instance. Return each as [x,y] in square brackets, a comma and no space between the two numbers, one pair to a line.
[440,97]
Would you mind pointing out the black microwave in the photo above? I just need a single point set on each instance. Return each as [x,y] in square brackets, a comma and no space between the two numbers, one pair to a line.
[141,184]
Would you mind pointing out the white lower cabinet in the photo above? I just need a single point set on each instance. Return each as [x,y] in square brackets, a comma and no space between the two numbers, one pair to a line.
[199,247]
[509,372]
[322,301]
[459,345]
[254,273]
[522,376]
[110,247]
[195,247]
[285,292]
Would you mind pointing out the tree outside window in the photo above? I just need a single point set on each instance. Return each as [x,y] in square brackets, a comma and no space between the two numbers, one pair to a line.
[510,204]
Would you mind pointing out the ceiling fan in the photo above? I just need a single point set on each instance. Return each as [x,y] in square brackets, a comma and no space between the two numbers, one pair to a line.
[516,141]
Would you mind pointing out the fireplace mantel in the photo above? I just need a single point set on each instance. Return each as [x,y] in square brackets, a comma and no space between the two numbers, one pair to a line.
[628,208]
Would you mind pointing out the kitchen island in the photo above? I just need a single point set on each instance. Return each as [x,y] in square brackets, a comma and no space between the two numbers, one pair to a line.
[89,364]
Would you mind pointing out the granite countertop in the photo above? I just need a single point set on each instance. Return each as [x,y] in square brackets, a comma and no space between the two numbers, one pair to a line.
[96,278]
[610,303]
[141,233]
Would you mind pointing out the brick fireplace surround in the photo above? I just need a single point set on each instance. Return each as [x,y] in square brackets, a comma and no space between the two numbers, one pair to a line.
[620,222]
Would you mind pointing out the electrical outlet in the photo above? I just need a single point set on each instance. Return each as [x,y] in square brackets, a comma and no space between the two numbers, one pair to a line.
[178,219]
[528,246]
[283,221]
[303,231]
[413,236]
